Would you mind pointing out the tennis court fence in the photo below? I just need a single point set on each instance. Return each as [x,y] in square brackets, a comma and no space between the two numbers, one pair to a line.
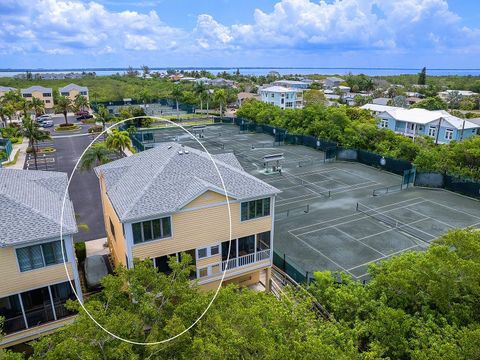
[421,235]
[286,264]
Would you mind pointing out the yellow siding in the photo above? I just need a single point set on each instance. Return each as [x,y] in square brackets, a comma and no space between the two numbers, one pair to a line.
[117,244]
[35,332]
[14,281]
[198,228]
[208,261]
[39,95]
[207,198]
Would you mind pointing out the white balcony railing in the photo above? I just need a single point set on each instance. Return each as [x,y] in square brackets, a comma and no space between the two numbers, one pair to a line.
[246,259]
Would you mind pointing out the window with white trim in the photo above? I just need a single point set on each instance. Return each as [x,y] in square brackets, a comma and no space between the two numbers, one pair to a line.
[203,272]
[152,230]
[432,131]
[208,251]
[255,209]
[448,134]
[38,256]
[384,123]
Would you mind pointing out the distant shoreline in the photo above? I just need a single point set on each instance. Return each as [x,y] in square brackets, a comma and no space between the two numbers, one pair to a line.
[259,70]
[229,68]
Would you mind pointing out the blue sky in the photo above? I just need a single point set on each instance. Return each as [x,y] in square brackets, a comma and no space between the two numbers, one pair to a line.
[208,33]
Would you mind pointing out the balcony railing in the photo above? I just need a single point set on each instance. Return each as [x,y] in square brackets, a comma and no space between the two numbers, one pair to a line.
[246,259]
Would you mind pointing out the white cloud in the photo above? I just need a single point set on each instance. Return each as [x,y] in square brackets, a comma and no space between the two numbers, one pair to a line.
[301,26]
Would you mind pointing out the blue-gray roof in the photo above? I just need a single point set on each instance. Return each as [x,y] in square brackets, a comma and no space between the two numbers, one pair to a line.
[31,204]
[71,87]
[161,181]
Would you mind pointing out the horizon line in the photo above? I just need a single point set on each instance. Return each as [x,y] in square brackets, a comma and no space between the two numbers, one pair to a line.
[225,68]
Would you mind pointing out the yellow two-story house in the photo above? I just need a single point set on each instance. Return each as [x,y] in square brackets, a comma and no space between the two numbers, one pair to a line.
[5,89]
[42,93]
[34,285]
[73,90]
[170,199]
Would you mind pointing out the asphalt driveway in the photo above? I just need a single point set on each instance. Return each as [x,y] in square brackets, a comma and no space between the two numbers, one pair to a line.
[84,188]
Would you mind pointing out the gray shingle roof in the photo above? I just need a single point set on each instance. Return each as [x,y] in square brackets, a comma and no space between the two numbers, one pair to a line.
[6,88]
[71,87]
[161,181]
[36,88]
[31,204]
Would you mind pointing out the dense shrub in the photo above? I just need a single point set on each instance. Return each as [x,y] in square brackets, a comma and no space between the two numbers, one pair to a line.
[356,128]
[80,251]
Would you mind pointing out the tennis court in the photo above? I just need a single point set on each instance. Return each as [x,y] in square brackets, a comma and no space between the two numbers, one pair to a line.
[326,217]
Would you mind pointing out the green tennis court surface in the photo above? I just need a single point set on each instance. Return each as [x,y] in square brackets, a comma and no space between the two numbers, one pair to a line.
[326,216]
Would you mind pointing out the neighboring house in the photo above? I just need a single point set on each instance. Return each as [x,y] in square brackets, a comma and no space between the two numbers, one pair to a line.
[72,90]
[291,84]
[381,101]
[39,92]
[461,93]
[242,96]
[5,89]
[220,82]
[35,286]
[344,89]
[285,98]
[169,200]
[415,122]
[331,82]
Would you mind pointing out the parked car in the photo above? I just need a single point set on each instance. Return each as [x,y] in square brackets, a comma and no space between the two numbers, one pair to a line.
[42,118]
[47,123]
[82,112]
[95,270]
[84,116]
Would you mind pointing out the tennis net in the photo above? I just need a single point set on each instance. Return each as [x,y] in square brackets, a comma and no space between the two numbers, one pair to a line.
[396,224]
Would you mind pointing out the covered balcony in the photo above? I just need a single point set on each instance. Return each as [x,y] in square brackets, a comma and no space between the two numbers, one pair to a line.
[246,251]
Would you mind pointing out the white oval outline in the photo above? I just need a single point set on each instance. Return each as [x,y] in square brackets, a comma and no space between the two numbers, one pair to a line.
[74,263]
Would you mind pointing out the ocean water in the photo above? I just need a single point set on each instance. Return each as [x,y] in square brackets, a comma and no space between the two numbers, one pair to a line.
[265,70]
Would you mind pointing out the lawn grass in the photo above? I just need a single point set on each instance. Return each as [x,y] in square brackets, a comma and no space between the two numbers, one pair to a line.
[14,161]
[67,128]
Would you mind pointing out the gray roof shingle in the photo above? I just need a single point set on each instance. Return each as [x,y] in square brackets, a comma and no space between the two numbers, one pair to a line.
[31,204]
[161,181]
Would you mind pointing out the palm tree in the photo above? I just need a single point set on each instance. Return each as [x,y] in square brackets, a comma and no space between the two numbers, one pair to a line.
[97,154]
[13,99]
[63,105]
[24,106]
[6,110]
[221,97]
[81,102]
[200,90]
[103,115]
[32,132]
[177,94]
[38,106]
[118,141]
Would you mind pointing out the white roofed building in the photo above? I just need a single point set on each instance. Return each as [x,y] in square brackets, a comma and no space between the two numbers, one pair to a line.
[439,124]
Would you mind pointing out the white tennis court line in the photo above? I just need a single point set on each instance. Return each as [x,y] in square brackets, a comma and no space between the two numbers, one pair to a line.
[322,254]
[431,218]
[351,237]
[454,209]
[402,224]
[385,257]
[286,174]
[389,229]
[332,192]
[353,214]
[350,221]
